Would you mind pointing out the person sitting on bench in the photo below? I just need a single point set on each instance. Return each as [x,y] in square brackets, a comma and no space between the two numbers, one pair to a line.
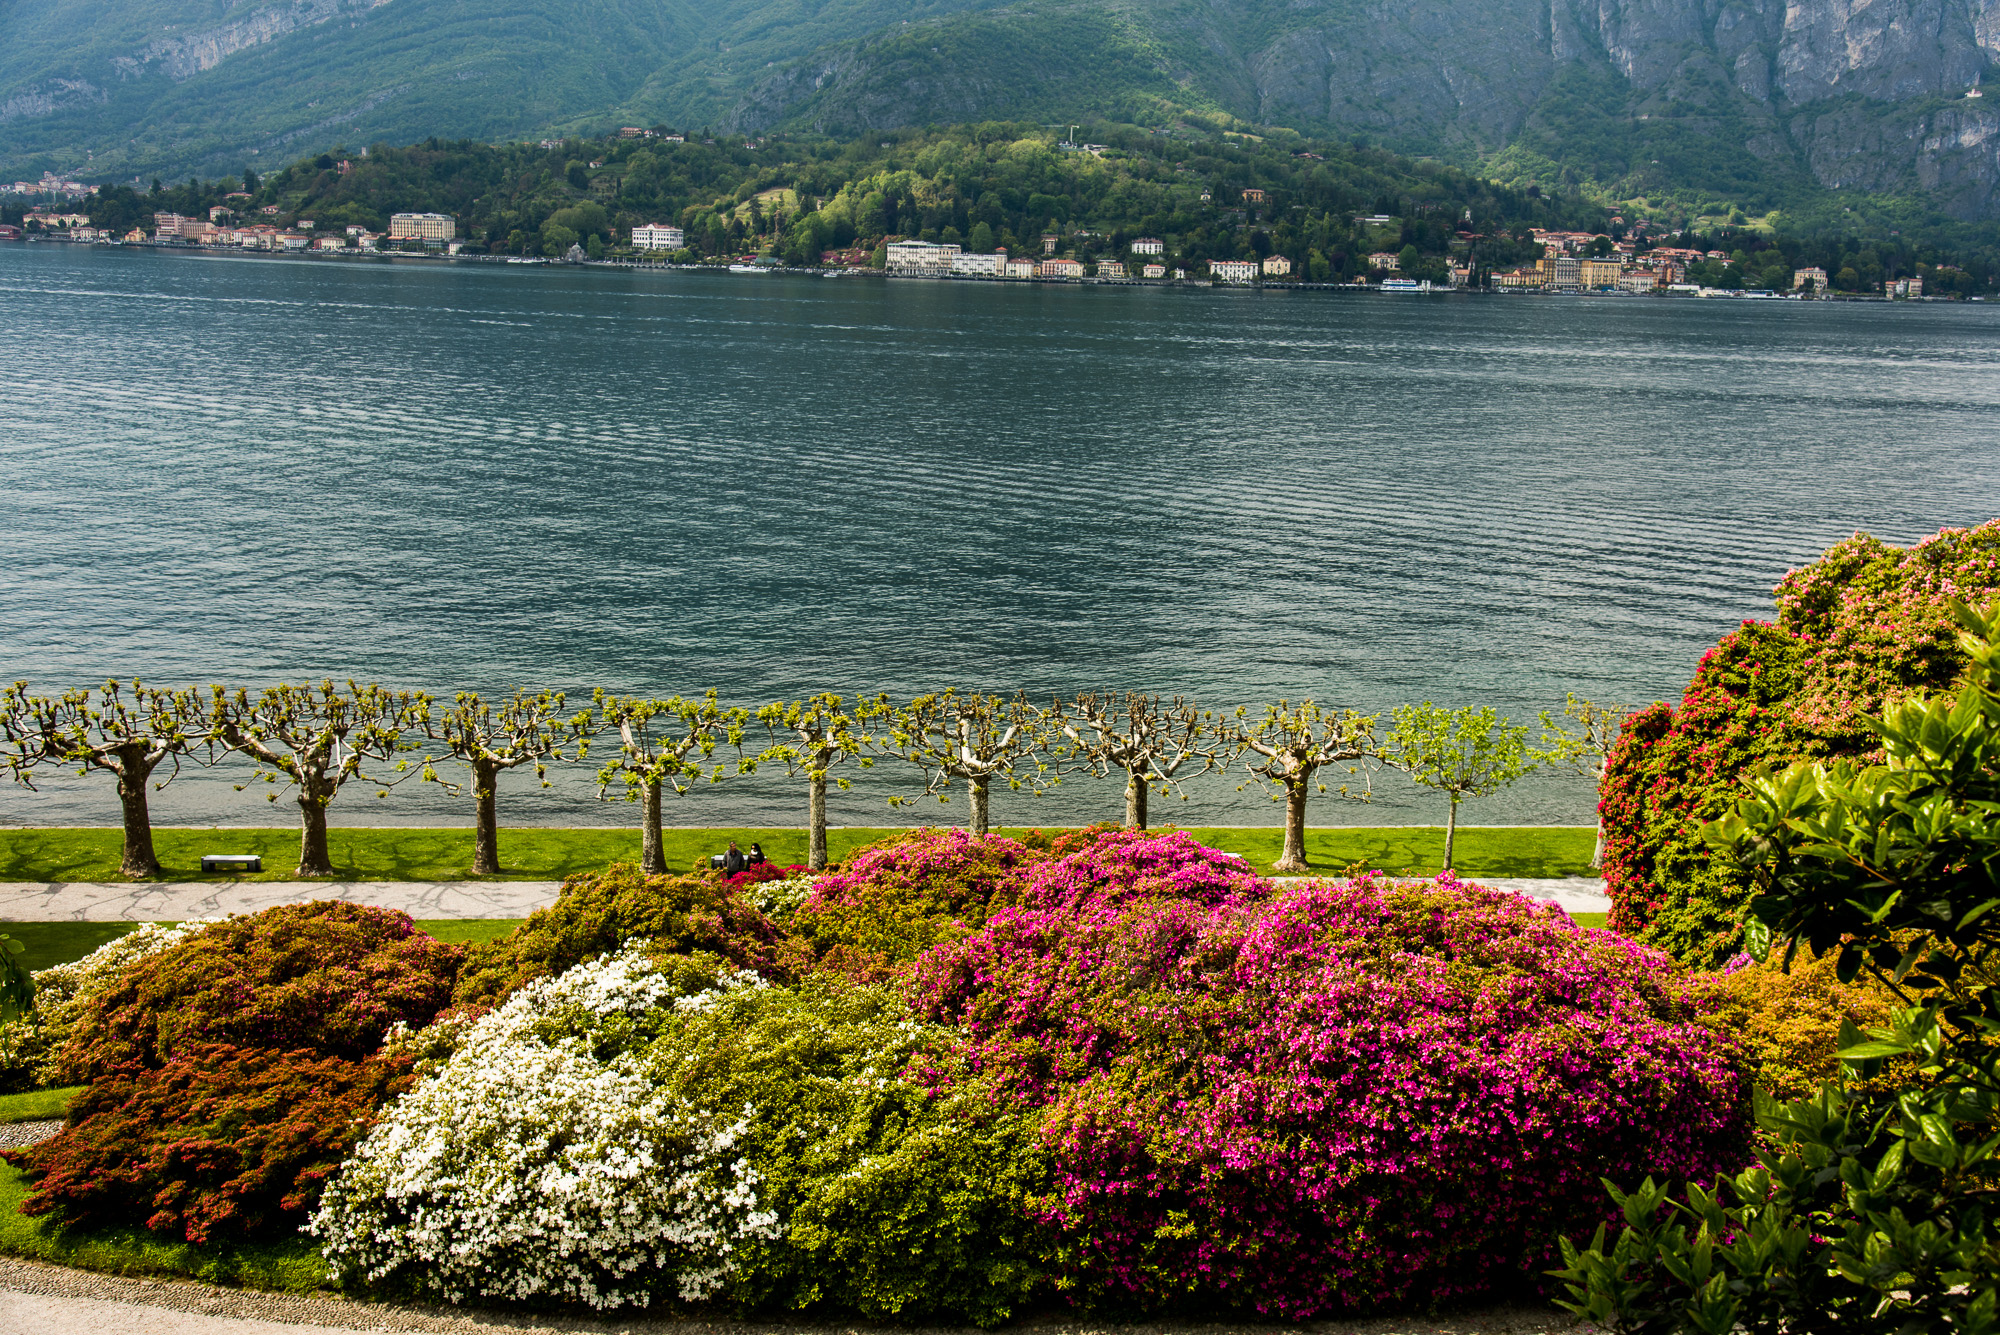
[756,858]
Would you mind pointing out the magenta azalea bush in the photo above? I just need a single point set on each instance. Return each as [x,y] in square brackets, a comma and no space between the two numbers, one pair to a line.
[1140,864]
[1337,1096]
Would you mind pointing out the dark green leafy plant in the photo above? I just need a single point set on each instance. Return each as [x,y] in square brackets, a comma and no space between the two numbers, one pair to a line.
[1872,1208]
[17,986]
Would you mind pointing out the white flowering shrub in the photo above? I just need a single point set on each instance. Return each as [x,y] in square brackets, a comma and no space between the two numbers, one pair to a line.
[31,1044]
[540,1160]
[778,900]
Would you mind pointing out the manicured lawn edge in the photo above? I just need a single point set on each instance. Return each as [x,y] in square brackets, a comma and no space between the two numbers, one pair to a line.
[400,853]
[294,1266]
[41,1105]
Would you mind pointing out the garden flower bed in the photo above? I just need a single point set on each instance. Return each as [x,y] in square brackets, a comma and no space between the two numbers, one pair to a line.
[960,1079]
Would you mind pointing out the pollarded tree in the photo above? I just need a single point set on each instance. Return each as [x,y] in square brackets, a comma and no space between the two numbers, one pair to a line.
[664,745]
[810,737]
[1465,752]
[523,730]
[1581,737]
[126,735]
[973,737]
[1288,747]
[1147,739]
[316,740]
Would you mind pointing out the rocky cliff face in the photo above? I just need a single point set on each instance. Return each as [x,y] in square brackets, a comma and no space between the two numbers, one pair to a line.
[1852,93]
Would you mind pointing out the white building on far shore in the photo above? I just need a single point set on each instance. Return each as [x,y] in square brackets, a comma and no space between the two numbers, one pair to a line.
[980,266]
[919,259]
[657,236]
[1233,271]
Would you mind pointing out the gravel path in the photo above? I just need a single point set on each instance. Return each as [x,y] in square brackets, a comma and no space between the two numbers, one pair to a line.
[20,1135]
[38,1299]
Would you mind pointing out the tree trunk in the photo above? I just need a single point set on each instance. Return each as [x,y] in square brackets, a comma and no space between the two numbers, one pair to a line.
[1135,800]
[486,824]
[1293,861]
[1450,833]
[976,789]
[314,860]
[1597,853]
[652,853]
[816,821]
[138,858]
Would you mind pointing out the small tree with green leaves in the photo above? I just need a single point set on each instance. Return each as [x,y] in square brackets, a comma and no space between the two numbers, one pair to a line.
[523,730]
[1151,741]
[1284,752]
[1874,1206]
[126,734]
[665,746]
[972,738]
[1462,753]
[1581,738]
[811,737]
[315,740]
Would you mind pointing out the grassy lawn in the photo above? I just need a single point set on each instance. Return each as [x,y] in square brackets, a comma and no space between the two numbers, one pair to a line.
[40,1106]
[51,943]
[402,854]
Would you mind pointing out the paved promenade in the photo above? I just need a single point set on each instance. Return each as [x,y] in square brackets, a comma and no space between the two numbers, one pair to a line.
[177,901]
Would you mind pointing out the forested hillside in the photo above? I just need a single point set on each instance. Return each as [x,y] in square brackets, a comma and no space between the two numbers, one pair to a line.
[1823,111]
[1002,185]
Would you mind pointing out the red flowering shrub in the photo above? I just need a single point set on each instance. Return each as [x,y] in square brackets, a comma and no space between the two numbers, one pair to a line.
[222,1143]
[1864,624]
[326,978]
[1343,1096]
[895,900]
[600,911]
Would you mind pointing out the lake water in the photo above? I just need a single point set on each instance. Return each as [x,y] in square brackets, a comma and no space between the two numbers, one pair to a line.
[238,470]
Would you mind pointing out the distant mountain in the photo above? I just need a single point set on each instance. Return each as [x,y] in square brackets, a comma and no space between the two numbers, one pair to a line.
[1805,106]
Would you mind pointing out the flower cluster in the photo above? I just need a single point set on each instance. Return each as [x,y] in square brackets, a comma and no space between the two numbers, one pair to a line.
[541,1162]
[1866,624]
[1343,1096]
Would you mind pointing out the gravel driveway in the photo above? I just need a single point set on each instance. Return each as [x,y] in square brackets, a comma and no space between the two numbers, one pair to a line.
[40,1299]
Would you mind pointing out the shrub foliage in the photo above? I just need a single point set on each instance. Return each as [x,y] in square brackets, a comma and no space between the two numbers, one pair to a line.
[328,978]
[1865,624]
[598,912]
[1340,1096]
[231,1071]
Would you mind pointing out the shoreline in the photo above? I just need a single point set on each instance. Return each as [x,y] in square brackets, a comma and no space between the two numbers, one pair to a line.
[1183,284]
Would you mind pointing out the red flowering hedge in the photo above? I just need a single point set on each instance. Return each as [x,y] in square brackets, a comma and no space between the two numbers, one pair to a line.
[1339,1097]
[327,978]
[230,1074]
[597,912]
[223,1143]
[1865,623]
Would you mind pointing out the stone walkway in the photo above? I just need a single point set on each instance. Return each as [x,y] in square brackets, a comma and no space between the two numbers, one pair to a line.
[177,901]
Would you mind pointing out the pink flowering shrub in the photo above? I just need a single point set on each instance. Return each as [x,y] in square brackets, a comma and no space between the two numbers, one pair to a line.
[894,901]
[1142,864]
[1339,1097]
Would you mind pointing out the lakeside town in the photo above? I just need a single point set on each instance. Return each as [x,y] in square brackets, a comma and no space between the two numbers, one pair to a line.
[1571,261]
